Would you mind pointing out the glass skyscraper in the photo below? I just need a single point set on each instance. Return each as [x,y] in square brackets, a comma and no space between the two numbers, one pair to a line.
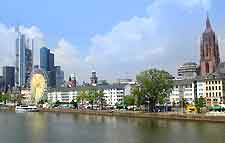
[24,59]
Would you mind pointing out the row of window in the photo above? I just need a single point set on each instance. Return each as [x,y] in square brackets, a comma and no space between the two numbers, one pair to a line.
[213,94]
[213,88]
[212,82]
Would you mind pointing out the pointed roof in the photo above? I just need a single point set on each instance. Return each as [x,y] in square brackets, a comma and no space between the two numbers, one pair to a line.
[208,24]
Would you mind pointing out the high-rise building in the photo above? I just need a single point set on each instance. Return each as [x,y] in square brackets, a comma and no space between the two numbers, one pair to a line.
[59,76]
[47,65]
[44,59]
[9,76]
[51,62]
[24,59]
[94,78]
[209,51]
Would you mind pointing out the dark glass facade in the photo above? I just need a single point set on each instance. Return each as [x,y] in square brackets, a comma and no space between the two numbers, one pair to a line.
[9,76]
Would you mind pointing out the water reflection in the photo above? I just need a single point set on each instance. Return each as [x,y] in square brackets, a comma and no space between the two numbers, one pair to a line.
[68,127]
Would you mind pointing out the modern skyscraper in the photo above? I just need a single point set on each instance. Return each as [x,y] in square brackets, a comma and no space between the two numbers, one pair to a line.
[59,76]
[24,59]
[44,59]
[9,76]
[51,62]
[47,65]
[209,51]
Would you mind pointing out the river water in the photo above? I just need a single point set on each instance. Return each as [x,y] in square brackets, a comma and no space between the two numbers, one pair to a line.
[74,128]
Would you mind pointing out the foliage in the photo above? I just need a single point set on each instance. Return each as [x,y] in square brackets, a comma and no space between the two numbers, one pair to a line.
[57,103]
[82,96]
[200,103]
[74,104]
[4,97]
[155,85]
[128,100]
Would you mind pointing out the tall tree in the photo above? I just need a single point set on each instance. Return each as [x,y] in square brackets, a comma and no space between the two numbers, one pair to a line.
[155,85]
[82,96]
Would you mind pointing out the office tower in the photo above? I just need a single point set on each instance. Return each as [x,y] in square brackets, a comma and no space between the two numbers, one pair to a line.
[47,65]
[24,59]
[44,59]
[9,76]
[59,76]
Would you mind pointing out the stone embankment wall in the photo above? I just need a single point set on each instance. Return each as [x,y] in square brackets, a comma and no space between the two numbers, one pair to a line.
[169,115]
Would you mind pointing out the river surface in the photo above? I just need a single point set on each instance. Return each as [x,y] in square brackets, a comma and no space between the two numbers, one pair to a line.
[74,128]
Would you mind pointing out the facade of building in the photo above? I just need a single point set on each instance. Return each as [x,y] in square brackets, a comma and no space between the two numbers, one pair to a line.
[183,89]
[44,59]
[113,93]
[187,71]
[47,65]
[94,78]
[214,89]
[9,76]
[209,51]
[24,59]
[59,76]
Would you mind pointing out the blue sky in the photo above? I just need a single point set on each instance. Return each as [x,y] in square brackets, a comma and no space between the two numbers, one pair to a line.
[117,38]
[75,20]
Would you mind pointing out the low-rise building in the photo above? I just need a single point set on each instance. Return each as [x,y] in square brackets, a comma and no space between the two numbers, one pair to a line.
[113,93]
[214,89]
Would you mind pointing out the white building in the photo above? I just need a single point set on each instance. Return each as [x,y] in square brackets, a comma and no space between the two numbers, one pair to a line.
[65,95]
[113,93]
[183,89]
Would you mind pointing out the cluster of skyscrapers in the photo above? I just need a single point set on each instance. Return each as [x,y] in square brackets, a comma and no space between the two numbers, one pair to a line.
[20,74]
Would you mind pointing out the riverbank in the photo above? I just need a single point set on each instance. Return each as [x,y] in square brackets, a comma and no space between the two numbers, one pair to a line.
[134,114]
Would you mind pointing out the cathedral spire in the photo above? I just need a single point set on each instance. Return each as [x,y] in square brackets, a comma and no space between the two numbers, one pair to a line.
[208,24]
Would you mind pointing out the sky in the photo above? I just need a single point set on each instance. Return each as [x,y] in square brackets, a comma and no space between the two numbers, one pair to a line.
[116,38]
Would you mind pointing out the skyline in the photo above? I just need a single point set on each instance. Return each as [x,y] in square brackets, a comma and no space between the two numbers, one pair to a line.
[127,41]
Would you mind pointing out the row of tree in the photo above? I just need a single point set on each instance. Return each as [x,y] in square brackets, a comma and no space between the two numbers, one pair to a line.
[93,96]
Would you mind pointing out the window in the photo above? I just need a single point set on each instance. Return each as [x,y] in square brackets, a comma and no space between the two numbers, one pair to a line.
[212,82]
[209,82]
[219,88]
[210,94]
[209,87]
[220,94]
[206,87]
[213,94]
[218,82]
[206,94]
[215,82]
[212,87]
[216,94]
[216,87]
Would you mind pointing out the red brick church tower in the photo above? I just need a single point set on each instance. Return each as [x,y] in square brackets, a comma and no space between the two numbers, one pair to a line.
[209,53]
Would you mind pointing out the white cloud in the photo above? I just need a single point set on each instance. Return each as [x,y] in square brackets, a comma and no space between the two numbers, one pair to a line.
[156,40]
[68,57]
[8,41]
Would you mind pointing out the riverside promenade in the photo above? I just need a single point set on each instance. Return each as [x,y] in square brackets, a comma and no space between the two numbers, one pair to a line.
[138,114]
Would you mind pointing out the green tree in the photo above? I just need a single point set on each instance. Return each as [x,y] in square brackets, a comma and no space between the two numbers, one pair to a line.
[100,99]
[155,85]
[139,100]
[91,97]
[74,104]
[81,97]
[128,100]
[183,104]
[200,103]
[4,97]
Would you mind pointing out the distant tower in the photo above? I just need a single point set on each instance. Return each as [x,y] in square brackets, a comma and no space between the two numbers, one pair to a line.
[209,51]
[24,59]
[94,78]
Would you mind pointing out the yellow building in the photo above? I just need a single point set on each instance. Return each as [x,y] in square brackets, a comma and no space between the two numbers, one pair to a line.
[214,89]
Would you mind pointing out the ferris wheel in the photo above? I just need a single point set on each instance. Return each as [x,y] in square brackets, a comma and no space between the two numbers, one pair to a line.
[38,85]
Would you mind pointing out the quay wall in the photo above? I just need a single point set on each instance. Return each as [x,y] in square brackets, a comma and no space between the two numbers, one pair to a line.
[136,114]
